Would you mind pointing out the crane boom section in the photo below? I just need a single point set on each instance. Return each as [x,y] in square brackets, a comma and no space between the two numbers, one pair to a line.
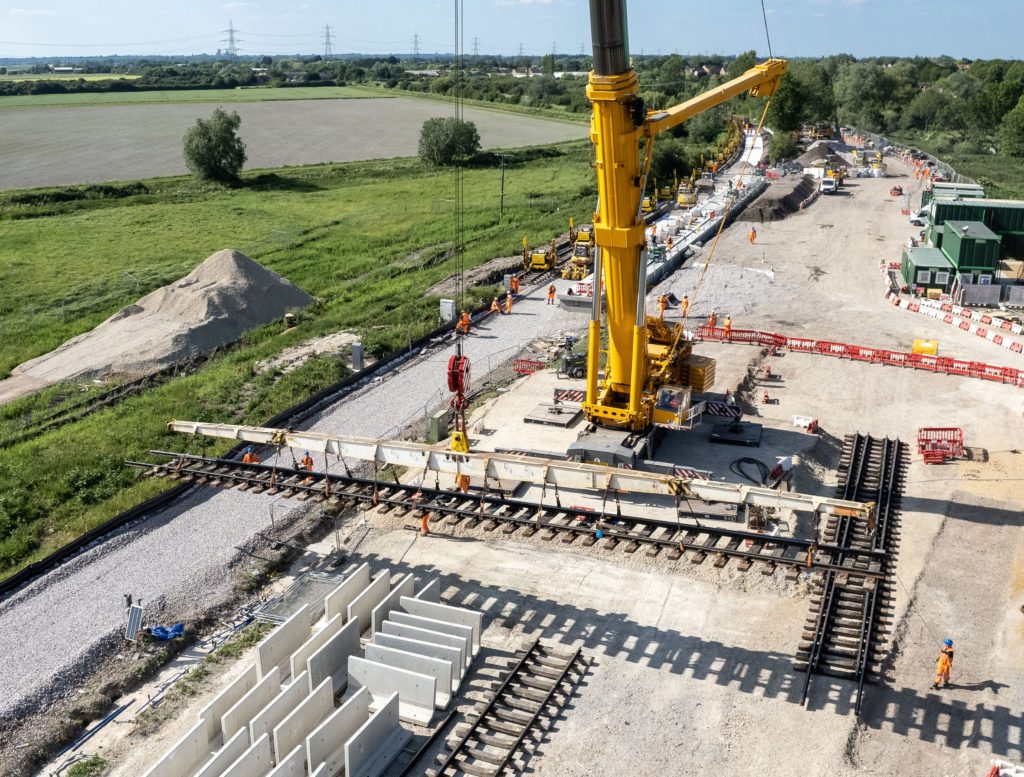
[760,81]
[532,469]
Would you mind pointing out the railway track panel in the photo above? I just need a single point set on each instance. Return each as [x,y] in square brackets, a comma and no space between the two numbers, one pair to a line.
[515,716]
[851,614]
[490,511]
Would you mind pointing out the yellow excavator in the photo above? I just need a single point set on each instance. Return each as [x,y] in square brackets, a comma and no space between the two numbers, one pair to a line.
[644,377]
[540,259]
[578,266]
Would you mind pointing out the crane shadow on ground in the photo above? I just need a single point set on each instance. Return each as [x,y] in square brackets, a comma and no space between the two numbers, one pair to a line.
[929,717]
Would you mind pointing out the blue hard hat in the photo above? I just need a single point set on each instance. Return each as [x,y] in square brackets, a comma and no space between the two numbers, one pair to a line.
[947,642]
[248,449]
[307,453]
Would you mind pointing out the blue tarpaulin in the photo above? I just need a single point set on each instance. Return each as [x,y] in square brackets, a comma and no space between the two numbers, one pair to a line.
[162,632]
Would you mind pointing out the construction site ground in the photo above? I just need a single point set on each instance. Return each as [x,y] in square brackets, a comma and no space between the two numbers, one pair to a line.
[692,665]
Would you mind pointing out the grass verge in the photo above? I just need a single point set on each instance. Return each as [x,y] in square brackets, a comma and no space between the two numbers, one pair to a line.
[249,94]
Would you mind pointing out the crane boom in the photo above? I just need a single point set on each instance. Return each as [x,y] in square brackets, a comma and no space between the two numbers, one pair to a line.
[618,124]
[532,469]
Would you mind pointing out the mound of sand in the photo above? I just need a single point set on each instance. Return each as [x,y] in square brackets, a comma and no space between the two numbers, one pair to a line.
[818,153]
[224,297]
[779,200]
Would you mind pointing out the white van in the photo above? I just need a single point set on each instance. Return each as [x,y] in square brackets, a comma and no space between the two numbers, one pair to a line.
[828,186]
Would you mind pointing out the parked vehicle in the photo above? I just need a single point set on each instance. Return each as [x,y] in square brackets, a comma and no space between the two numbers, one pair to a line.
[829,186]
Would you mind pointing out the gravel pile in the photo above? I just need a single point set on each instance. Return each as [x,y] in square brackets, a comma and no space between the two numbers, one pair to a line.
[779,200]
[224,297]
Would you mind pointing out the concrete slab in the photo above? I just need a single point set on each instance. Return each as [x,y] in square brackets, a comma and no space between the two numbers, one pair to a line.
[278,709]
[443,612]
[374,746]
[362,606]
[293,730]
[326,745]
[416,692]
[437,668]
[276,649]
[254,762]
[431,591]
[292,765]
[405,587]
[225,700]
[338,600]
[226,756]
[184,755]
[452,655]
[462,643]
[313,644]
[443,626]
[330,662]
[248,706]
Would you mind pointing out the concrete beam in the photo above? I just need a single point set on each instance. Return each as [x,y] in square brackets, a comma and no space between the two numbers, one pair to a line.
[405,587]
[244,709]
[225,700]
[278,709]
[184,755]
[314,643]
[326,745]
[430,592]
[462,643]
[330,661]
[444,612]
[292,765]
[355,582]
[450,654]
[437,668]
[254,762]
[370,751]
[444,627]
[293,730]
[416,692]
[362,606]
[226,756]
[277,648]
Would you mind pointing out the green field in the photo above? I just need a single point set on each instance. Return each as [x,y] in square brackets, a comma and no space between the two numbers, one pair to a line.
[366,237]
[239,95]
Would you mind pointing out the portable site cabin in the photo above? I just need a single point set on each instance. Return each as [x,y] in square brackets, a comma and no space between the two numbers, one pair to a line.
[952,191]
[926,268]
[972,249]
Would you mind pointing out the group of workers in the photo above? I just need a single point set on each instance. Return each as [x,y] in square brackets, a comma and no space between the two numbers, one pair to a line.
[463,324]
[684,308]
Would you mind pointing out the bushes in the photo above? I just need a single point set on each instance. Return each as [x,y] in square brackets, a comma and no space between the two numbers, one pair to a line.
[213,150]
[444,141]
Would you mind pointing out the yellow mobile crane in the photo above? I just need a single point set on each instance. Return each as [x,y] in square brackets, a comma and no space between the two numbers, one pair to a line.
[645,354]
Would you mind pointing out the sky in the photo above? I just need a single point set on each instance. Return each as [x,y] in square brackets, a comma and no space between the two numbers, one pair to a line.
[975,29]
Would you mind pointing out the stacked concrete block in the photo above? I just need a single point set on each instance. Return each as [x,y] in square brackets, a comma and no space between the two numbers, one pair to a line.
[276,649]
[225,700]
[252,702]
[437,668]
[184,755]
[362,605]
[431,592]
[226,756]
[446,613]
[462,643]
[355,583]
[374,746]
[292,765]
[330,661]
[294,729]
[326,745]
[463,633]
[314,643]
[452,655]
[405,587]
[278,709]
[416,692]
[254,762]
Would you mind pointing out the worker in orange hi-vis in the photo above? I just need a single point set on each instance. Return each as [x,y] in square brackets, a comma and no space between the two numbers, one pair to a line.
[307,462]
[514,285]
[551,294]
[713,319]
[495,307]
[463,325]
[250,456]
[727,326]
[462,483]
[508,302]
[662,305]
[685,305]
[752,235]
[944,664]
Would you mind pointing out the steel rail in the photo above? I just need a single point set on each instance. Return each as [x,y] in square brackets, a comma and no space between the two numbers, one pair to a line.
[484,506]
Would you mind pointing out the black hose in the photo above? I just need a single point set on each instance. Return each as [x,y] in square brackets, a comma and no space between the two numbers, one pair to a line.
[737,469]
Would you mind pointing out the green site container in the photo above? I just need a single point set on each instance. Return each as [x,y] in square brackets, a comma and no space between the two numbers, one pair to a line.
[1001,216]
[438,427]
[927,268]
[970,193]
[971,246]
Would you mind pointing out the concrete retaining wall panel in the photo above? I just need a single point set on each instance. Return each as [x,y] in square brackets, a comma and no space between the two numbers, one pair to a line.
[277,710]
[326,745]
[314,643]
[226,756]
[254,762]
[282,642]
[330,662]
[293,730]
[416,692]
[225,700]
[362,606]
[431,592]
[184,755]
[462,643]
[444,627]
[292,765]
[406,586]
[450,654]
[338,600]
[248,706]
[444,612]
[437,668]
[374,746]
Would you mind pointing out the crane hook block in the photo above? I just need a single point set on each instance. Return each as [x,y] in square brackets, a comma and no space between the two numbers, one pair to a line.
[458,374]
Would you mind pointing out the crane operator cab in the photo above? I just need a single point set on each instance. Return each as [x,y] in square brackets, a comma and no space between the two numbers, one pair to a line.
[672,407]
